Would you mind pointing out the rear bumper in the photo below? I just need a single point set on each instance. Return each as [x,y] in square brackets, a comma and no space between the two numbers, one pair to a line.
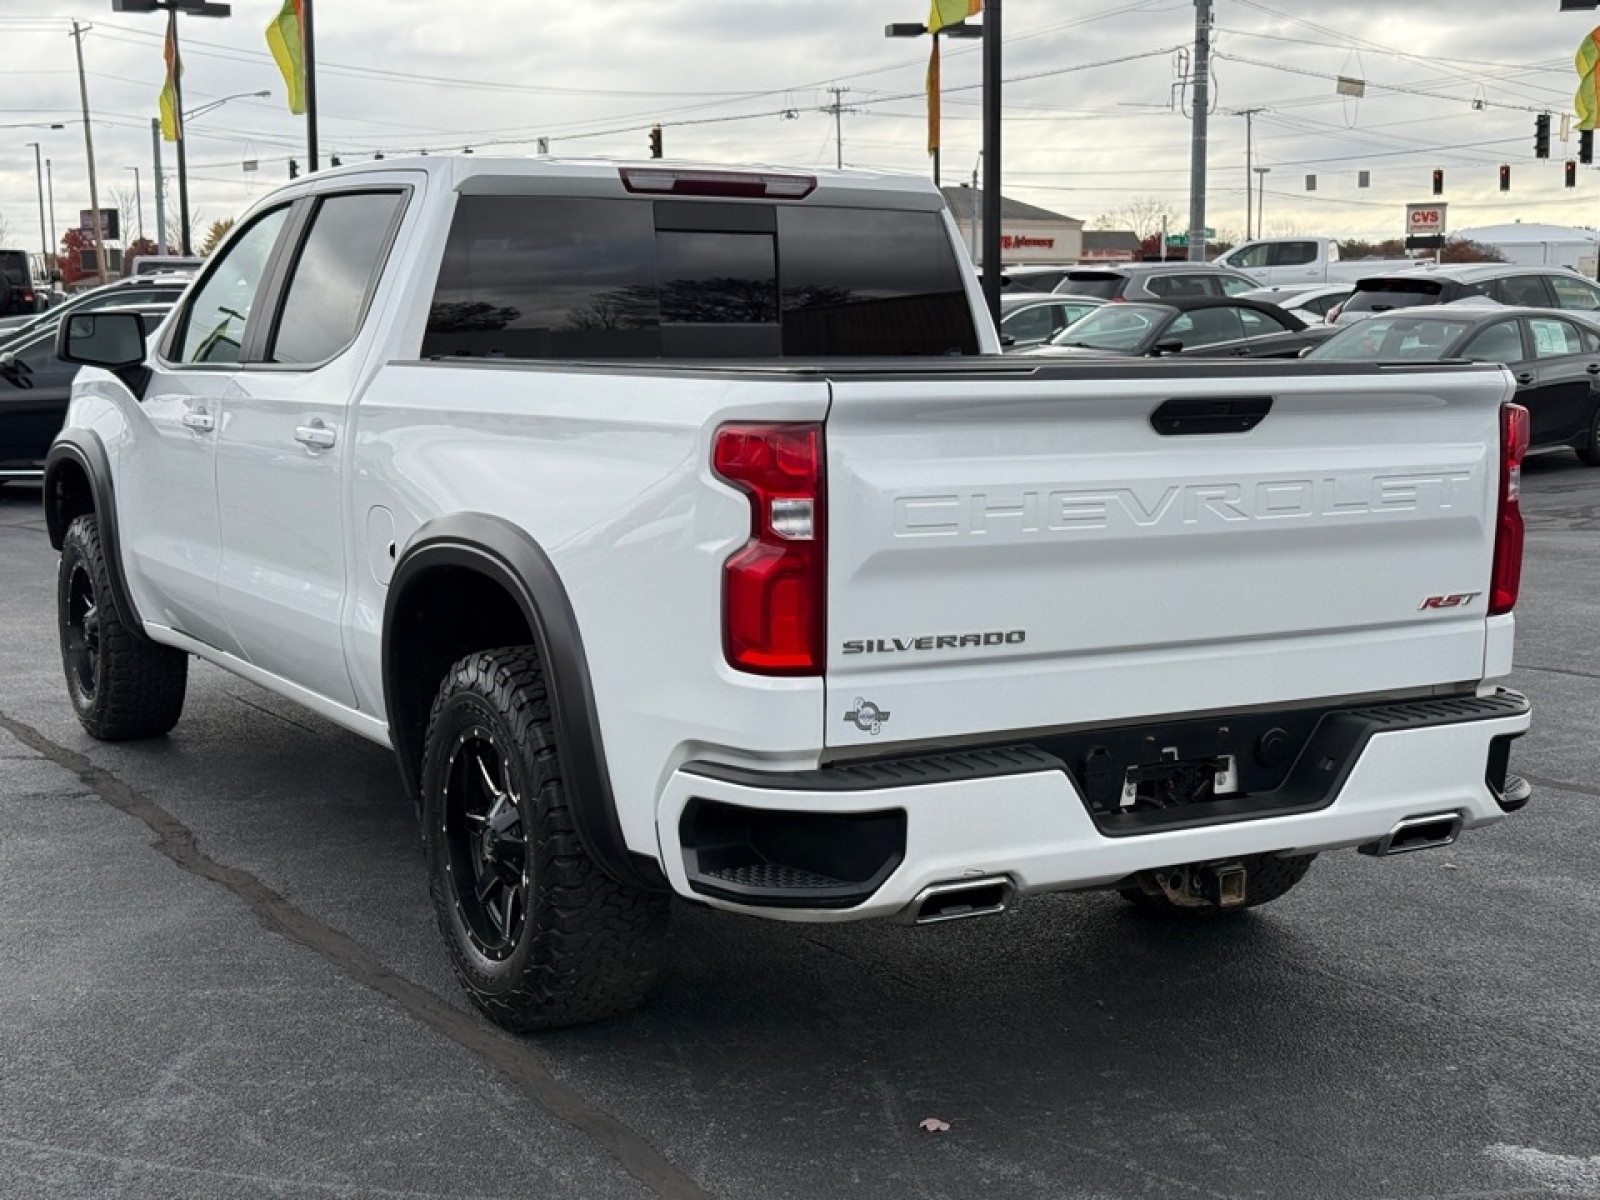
[1027,820]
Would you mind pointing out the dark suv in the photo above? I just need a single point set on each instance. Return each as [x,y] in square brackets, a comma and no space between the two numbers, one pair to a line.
[1504,283]
[16,284]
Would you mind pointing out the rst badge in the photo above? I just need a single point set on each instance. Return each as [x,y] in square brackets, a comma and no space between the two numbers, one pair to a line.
[1454,600]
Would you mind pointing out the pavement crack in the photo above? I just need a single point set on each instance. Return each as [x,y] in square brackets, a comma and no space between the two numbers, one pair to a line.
[1558,671]
[526,1067]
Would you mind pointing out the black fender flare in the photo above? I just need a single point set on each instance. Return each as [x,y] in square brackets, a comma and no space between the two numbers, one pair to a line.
[494,547]
[82,449]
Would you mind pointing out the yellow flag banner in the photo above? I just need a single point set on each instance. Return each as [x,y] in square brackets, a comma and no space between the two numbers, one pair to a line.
[1587,101]
[952,12]
[169,90]
[933,99]
[286,40]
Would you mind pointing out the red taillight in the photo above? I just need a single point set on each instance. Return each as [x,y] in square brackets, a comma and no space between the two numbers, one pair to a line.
[773,593]
[1506,580]
[755,185]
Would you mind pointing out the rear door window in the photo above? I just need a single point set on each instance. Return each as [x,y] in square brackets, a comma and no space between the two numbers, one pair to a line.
[570,277]
[333,276]
[1525,290]
[1229,286]
[1554,339]
[1293,254]
[1575,293]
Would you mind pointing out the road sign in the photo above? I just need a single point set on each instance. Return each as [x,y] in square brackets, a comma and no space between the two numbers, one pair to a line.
[1425,220]
[1182,239]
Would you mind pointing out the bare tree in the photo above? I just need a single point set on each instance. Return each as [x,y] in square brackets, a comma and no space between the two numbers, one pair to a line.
[1145,216]
[126,203]
[5,230]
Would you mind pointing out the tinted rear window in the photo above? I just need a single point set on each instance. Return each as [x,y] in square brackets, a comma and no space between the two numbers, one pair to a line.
[15,265]
[1102,285]
[1380,295]
[569,277]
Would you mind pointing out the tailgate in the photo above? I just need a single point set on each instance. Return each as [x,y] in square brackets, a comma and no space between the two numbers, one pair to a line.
[1007,554]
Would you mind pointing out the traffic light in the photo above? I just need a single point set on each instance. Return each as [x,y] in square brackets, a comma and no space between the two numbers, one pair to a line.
[1572,173]
[1505,178]
[294,169]
[655,141]
[1541,136]
[1438,182]
[1586,146]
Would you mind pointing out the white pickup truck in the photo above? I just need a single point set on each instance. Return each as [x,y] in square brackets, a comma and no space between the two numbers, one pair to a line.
[685,533]
[1285,262]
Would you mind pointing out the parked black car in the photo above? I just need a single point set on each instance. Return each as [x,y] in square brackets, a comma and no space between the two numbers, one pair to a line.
[1503,283]
[1030,319]
[159,290]
[1554,355]
[1205,327]
[35,386]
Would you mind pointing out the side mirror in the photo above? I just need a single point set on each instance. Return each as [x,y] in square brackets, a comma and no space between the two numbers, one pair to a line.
[1007,340]
[1170,346]
[102,339]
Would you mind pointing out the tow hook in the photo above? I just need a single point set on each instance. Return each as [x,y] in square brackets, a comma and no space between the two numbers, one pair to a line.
[1207,885]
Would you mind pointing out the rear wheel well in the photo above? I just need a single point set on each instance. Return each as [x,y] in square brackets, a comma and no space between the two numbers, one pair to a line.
[68,496]
[444,615]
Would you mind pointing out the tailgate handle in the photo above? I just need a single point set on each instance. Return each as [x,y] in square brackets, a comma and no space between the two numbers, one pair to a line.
[1210,415]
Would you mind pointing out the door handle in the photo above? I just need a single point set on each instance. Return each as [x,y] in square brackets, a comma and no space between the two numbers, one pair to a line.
[1593,368]
[1525,377]
[200,422]
[316,436]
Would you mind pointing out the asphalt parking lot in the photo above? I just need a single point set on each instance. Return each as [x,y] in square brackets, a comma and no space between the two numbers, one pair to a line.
[220,977]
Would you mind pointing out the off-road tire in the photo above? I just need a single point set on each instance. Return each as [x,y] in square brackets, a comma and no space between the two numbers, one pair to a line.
[496,823]
[122,685]
[1267,878]
[1589,452]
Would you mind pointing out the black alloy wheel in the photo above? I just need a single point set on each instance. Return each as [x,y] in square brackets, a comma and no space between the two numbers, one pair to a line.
[486,843]
[82,634]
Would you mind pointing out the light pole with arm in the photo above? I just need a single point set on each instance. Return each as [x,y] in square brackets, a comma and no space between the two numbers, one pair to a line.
[959,29]
[195,8]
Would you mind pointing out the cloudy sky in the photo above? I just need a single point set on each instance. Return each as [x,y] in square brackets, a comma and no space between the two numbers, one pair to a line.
[1094,121]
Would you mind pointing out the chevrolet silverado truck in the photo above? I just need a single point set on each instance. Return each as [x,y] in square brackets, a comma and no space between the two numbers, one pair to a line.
[685,533]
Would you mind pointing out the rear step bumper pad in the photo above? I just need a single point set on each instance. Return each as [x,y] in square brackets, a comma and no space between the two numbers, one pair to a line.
[1016,812]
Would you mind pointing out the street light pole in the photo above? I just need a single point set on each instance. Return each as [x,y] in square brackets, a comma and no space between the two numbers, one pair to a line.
[138,202]
[38,172]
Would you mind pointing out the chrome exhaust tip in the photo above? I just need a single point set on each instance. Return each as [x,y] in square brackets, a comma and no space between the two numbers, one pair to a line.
[1417,833]
[961,899]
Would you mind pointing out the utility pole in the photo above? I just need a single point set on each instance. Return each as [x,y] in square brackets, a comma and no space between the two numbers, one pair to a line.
[160,186]
[1249,162]
[1197,153]
[88,143]
[138,202]
[838,110]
